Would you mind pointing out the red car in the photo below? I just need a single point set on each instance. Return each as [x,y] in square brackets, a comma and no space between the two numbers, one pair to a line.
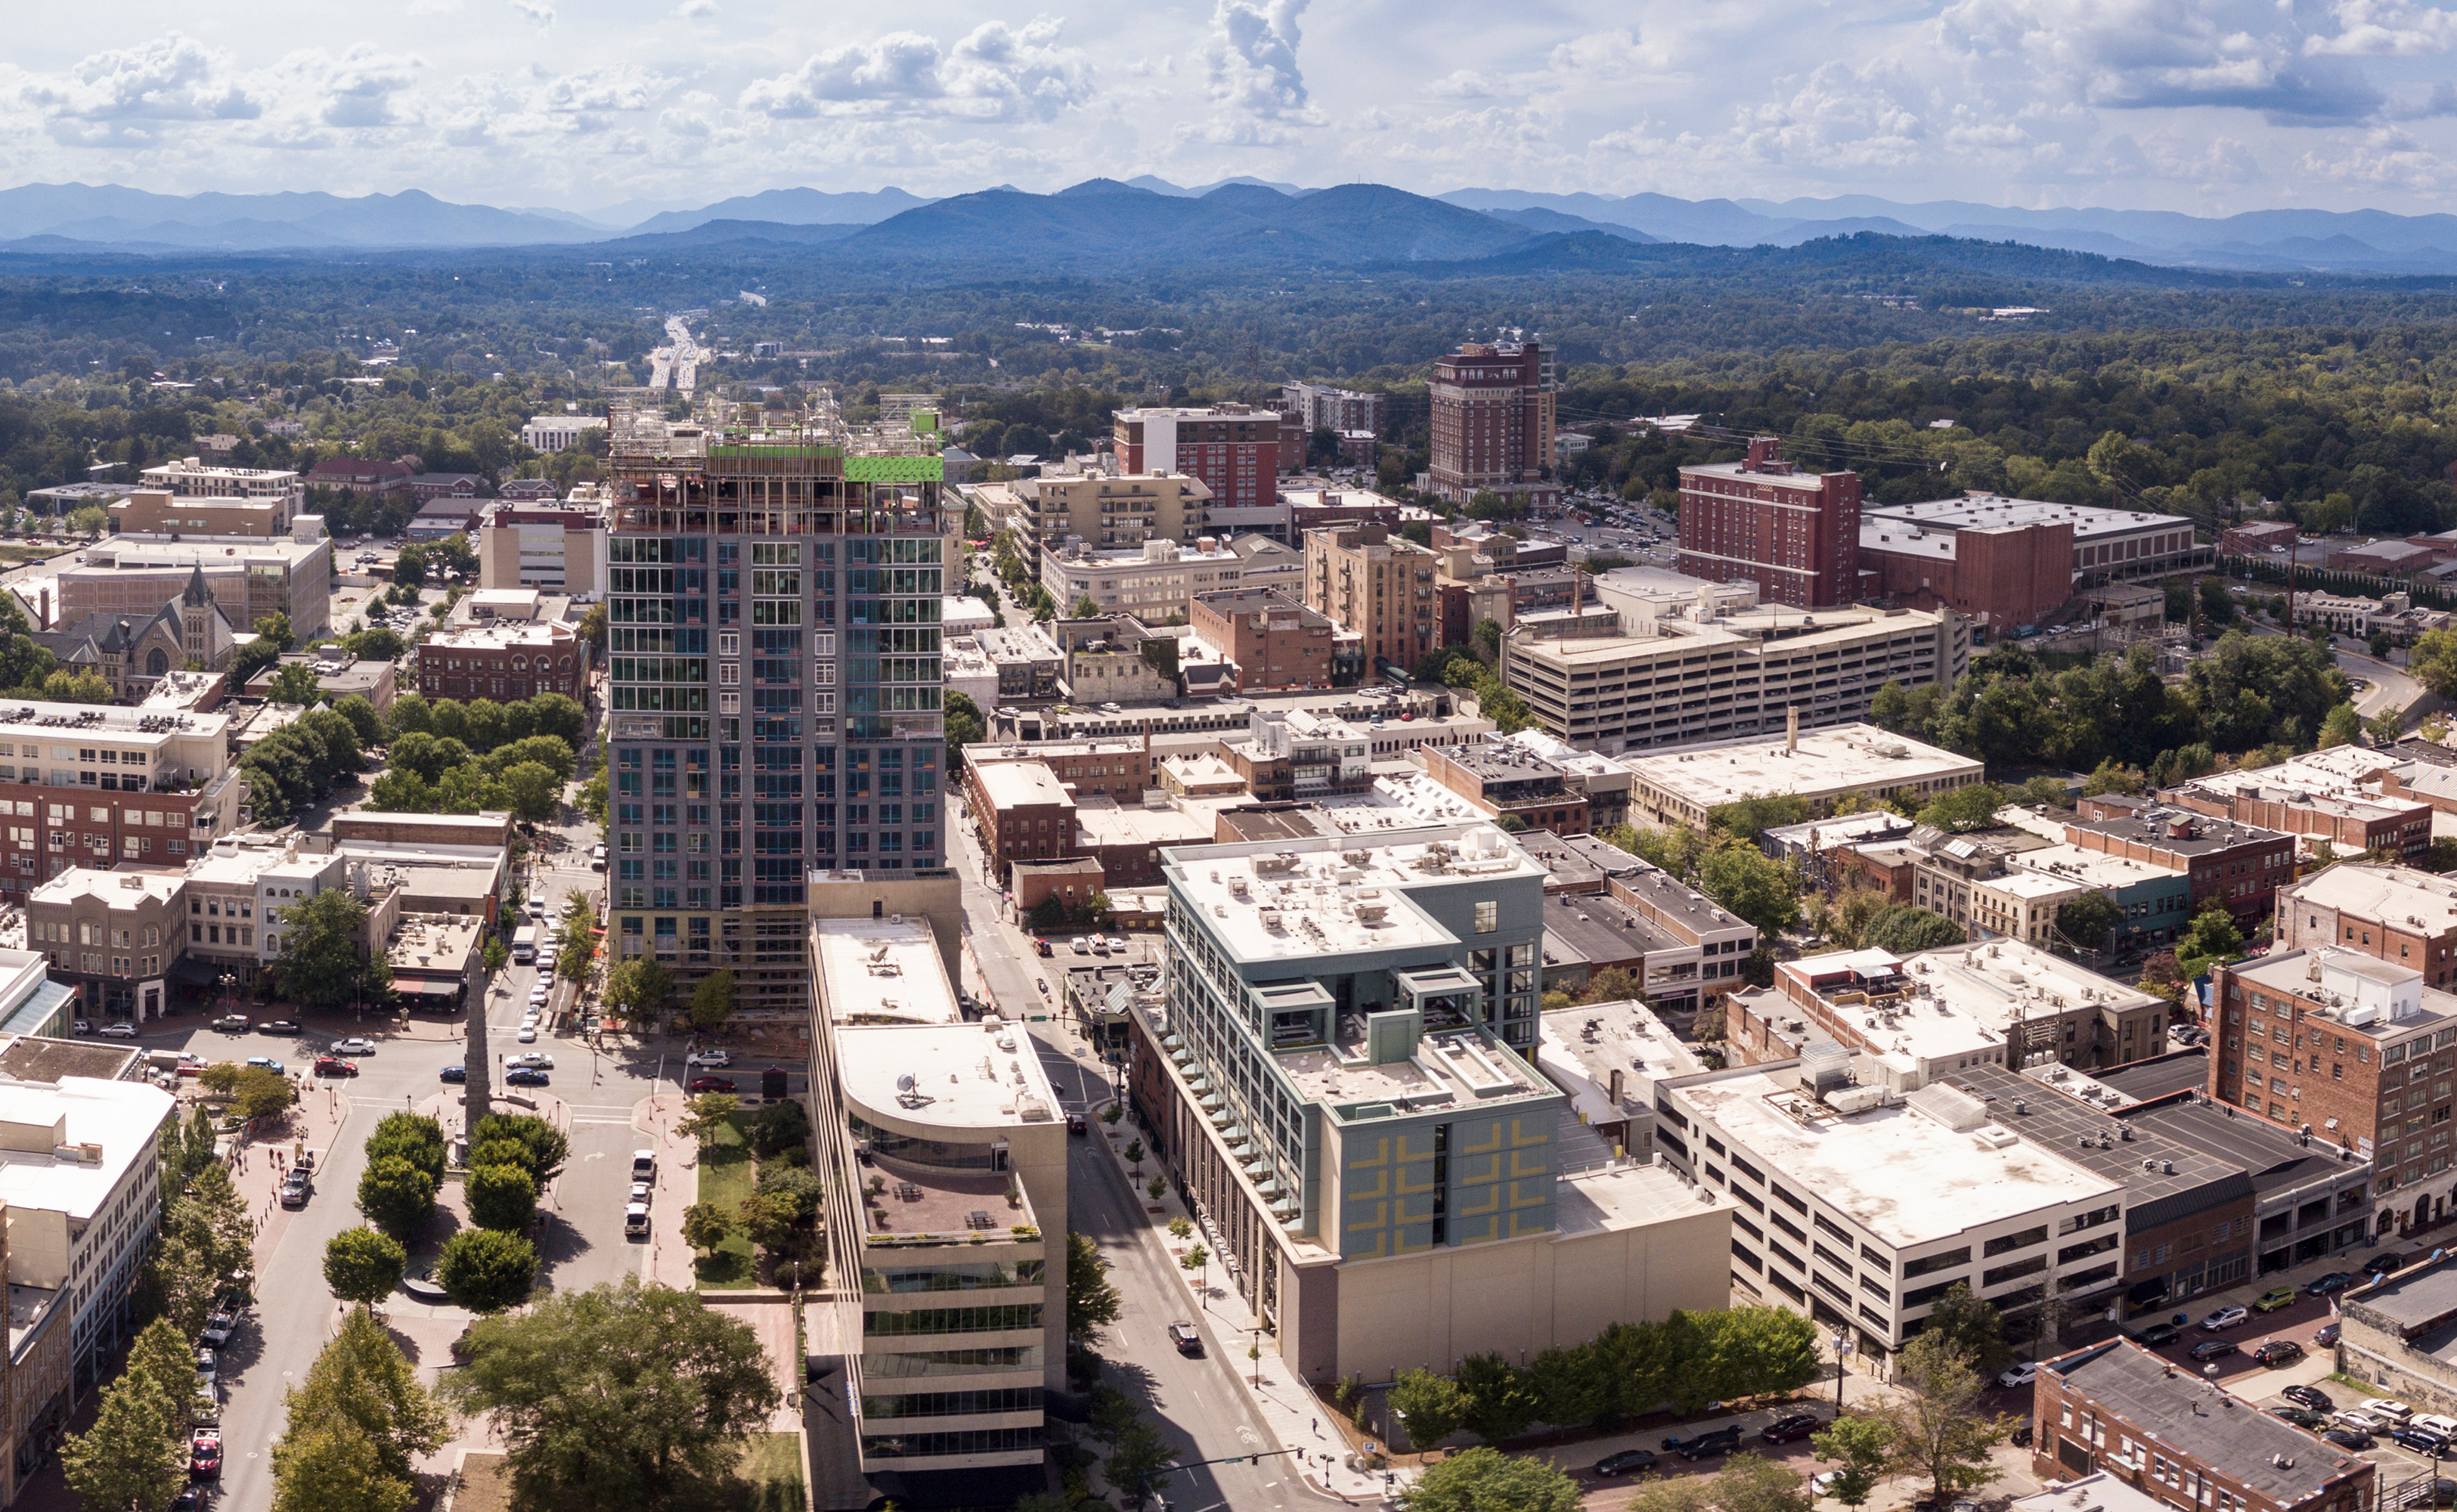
[712,1084]
[335,1065]
[205,1454]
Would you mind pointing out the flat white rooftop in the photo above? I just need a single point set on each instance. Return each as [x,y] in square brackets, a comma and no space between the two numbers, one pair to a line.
[1399,802]
[1983,510]
[2422,902]
[63,722]
[2096,868]
[1324,896]
[1017,784]
[880,971]
[1831,760]
[119,1116]
[2340,772]
[1580,1049]
[955,1075]
[1627,1194]
[1898,1173]
[1754,631]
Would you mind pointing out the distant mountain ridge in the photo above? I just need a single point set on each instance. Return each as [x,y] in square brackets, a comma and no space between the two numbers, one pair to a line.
[1287,224]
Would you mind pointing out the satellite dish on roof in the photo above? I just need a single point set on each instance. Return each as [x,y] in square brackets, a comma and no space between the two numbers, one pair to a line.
[904,1082]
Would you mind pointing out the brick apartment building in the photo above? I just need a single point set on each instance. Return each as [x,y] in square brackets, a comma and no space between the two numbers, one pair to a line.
[1233,448]
[2396,913]
[1795,534]
[504,662]
[1379,587]
[2240,865]
[1120,767]
[1274,643]
[99,787]
[1023,812]
[2351,823]
[363,477]
[1504,778]
[2118,1407]
[1492,422]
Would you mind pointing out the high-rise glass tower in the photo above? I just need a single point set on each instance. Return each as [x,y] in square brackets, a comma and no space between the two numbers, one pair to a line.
[773,587]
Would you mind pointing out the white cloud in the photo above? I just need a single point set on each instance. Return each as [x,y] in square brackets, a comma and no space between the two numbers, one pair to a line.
[175,78]
[696,10]
[536,13]
[994,71]
[2387,29]
[1251,56]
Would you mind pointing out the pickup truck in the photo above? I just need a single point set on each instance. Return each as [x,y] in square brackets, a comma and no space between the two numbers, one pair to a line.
[1705,1445]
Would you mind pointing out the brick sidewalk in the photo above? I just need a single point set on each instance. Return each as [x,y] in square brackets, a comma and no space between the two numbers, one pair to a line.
[258,1162]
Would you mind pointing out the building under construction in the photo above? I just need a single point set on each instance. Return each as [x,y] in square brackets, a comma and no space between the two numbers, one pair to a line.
[774,589]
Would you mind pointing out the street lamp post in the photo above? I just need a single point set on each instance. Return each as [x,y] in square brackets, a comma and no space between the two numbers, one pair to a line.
[1842,1352]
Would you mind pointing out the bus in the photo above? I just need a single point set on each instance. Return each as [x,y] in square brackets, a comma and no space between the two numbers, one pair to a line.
[524,943]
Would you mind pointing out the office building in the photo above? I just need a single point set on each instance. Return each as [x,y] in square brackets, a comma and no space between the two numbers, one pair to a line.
[1321,406]
[1492,423]
[338,677]
[1606,1057]
[558,432]
[1733,675]
[556,548]
[1151,581]
[1233,448]
[195,478]
[1860,1211]
[2351,1051]
[1336,1076]
[1377,585]
[2398,1334]
[2405,917]
[1916,1019]
[248,578]
[2108,546]
[1795,534]
[1686,786]
[2119,1407]
[944,1151]
[158,511]
[1502,777]
[1107,661]
[1261,640]
[2239,866]
[775,682]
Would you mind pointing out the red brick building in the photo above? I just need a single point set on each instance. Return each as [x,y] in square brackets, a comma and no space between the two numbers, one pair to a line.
[2240,865]
[1492,418]
[1233,448]
[2396,913]
[107,787]
[1022,811]
[504,662]
[1275,642]
[2002,576]
[1795,534]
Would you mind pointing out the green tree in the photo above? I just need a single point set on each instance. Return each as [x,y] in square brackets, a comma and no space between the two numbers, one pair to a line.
[275,629]
[294,684]
[2212,936]
[413,1137]
[1750,817]
[2046,791]
[773,1221]
[1972,1327]
[320,964]
[534,790]
[1970,807]
[496,956]
[707,1114]
[640,989]
[89,521]
[485,1270]
[1863,1449]
[1084,607]
[1092,1299]
[2217,605]
[1940,1429]
[1903,929]
[1751,885]
[1501,1396]
[712,1002]
[134,1455]
[706,1225]
[2089,919]
[1139,1462]
[334,1467]
[1485,1480]
[501,1197]
[632,1396]
[261,1093]
[2111,776]
[1431,1407]
[543,1146]
[2341,726]
[363,1266]
[363,1385]
[410,569]
[396,1196]
[2432,661]
[779,1127]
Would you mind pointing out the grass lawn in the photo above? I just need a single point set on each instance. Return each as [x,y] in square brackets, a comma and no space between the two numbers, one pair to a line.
[726,1176]
[773,1464]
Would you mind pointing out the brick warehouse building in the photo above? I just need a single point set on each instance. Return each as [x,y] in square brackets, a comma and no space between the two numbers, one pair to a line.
[2000,576]
[504,662]
[1233,448]
[2240,865]
[1491,422]
[1275,642]
[1795,534]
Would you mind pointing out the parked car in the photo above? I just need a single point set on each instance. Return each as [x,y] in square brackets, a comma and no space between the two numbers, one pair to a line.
[265,1063]
[643,1193]
[2276,1298]
[2381,1263]
[454,1073]
[2312,1397]
[2359,1421]
[2021,1375]
[1627,1463]
[2229,1317]
[635,1222]
[2326,1334]
[1705,1445]
[597,858]
[1791,1425]
[354,1047]
[2216,1349]
[644,1164]
[2159,1334]
[119,1031]
[717,1057]
[208,1366]
[205,1454]
[279,1027]
[231,1020]
[1187,1337]
[335,1065]
[537,1058]
[2347,1438]
[218,1329]
[528,1034]
[712,1084]
[295,1188]
[2279,1352]
[83,1027]
[2301,1418]
[2387,1407]
[2434,1423]
[2422,1441]
[2325,1285]
[527,1076]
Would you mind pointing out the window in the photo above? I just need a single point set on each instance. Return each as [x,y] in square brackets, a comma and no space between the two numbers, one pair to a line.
[1488,916]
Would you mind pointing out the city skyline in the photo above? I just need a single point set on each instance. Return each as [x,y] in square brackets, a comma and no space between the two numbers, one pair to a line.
[616,110]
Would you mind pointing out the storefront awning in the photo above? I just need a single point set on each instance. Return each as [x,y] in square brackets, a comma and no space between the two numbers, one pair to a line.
[411,987]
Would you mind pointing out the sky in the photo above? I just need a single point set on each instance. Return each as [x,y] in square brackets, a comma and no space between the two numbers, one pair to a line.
[616,108]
